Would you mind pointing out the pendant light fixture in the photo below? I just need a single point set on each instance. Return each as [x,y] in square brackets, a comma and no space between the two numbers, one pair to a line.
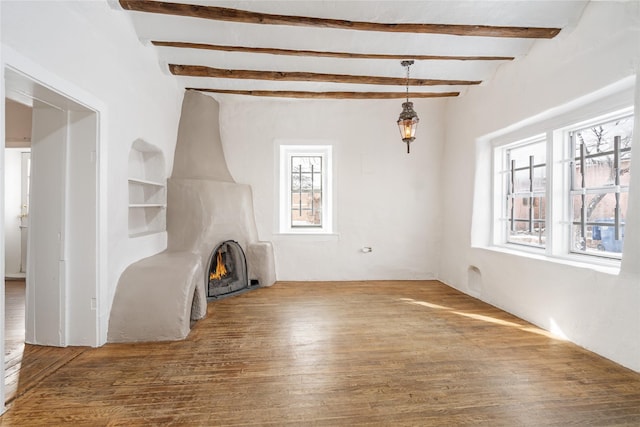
[408,120]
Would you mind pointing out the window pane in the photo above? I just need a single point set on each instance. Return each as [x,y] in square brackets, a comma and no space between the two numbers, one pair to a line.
[598,143]
[599,240]
[520,160]
[305,181]
[599,138]
[598,172]
[306,191]
[525,231]
[526,211]
[521,208]
[539,207]
[521,234]
[306,210]
[521,154]
[539,179]
[600,207]
[521,181]
[295,182]
[306,164]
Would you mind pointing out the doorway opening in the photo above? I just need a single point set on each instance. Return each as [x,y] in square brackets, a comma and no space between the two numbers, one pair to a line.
[56,251]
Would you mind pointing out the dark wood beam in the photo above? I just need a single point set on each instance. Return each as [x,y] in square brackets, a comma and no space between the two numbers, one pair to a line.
[329,95]
[244,16]
[202,71]
[346,55]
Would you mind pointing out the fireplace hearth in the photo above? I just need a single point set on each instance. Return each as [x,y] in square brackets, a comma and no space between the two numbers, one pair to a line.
[227,274]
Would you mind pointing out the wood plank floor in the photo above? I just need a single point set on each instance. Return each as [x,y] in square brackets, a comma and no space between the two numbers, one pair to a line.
[340,354]
[26,365]
[14,311]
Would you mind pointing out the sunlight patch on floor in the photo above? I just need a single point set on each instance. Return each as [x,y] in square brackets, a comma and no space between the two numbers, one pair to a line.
[555,333]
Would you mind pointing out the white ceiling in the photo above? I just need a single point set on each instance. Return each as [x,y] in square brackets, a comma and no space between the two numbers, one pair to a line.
[159,27]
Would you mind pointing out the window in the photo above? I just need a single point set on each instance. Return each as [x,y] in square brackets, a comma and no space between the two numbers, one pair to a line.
[600,185]
[305,189]
[525,182]
[565,192]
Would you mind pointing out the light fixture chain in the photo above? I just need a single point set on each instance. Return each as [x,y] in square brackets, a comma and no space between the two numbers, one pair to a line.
[408,68]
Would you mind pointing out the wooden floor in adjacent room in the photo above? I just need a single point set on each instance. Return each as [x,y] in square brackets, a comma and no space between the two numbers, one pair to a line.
[339,354]
[25,365]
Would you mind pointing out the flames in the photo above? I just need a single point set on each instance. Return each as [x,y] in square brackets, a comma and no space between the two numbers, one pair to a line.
[221,270]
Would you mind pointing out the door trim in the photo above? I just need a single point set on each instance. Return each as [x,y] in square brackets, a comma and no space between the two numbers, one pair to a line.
[15,64]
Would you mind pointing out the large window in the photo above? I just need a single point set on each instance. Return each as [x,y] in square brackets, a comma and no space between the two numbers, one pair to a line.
[566,190]
[305,189]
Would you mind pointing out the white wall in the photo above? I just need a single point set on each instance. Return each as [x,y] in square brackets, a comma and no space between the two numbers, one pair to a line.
[80,228]
[385,198]
[596,310]
[93,49]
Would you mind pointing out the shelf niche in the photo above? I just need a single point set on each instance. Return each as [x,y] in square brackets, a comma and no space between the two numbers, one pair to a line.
[147,190]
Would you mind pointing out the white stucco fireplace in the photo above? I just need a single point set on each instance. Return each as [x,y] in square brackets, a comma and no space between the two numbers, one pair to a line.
[158,297]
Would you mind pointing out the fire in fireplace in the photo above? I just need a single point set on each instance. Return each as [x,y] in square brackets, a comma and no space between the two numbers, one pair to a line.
[227,273]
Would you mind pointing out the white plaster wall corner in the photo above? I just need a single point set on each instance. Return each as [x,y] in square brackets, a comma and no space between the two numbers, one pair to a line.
[163,65]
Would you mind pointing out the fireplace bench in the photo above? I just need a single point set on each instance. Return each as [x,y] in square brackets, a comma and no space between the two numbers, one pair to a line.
[157,297]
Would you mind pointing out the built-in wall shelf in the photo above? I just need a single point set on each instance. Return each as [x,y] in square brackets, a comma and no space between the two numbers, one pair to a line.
[145,182]
[147,190]
[147,205]
[143,234]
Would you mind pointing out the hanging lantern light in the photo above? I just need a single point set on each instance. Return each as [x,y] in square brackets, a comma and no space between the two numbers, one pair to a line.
[408,120]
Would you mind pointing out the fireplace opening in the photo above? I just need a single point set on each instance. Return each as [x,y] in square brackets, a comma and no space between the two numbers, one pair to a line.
[227,273]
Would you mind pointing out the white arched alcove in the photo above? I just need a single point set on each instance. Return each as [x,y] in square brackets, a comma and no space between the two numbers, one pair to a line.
[147,189]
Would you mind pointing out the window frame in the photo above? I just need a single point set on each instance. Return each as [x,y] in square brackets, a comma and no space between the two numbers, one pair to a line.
[511,194]
[287,152]
[583,191]
[559,161]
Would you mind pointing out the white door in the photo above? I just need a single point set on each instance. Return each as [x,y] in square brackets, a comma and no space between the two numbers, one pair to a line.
[24,214]
[45,314]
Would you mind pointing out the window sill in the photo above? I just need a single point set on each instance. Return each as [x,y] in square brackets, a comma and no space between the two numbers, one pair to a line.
[600,265]
[317,236]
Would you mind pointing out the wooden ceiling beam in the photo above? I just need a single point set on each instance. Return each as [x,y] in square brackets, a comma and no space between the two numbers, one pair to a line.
[346,55]
[248,17]
[329,95]
[202,71]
